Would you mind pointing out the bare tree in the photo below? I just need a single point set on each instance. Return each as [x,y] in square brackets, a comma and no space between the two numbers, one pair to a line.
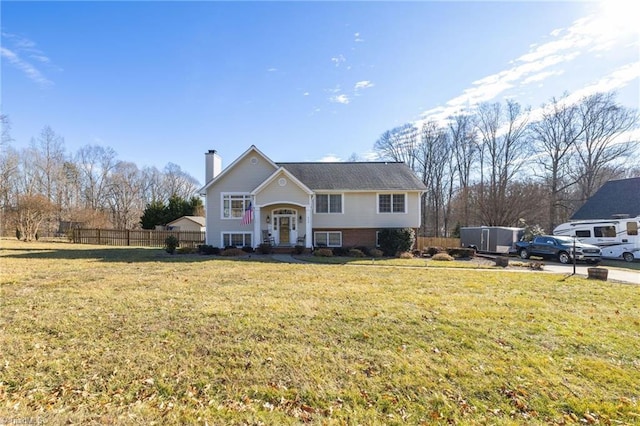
[599,151]
[8,173]
[433,155]
[95,163]
[125,195]
[399,144]
[177,183]
[556,135]
[32,210]
[504,142]
[464,141]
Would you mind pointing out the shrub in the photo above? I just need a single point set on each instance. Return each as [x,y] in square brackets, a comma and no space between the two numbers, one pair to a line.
[442,256]
[18,234]
[207,249]
[405,255]
[234,251]
[186,250]
[323,252]
[265,248]
[461,252]
[363,249]
[393,240]
[171,243]
[340,251]
[354,252]
[375,253]
[432,251]
[298,249]
[247,249]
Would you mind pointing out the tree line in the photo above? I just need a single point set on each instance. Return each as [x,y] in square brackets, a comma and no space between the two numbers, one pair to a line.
[500,164]
[43,186]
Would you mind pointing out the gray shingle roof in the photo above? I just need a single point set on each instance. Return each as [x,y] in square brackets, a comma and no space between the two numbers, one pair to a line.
[614,197]
[352,176]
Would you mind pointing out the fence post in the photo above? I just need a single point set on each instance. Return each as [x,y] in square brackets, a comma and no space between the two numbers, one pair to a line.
[128,238]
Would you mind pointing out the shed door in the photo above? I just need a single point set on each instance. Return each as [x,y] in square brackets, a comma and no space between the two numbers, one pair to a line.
[484,242]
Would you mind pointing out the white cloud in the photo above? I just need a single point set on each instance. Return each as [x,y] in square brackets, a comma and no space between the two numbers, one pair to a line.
[541,76]
[365,84]
[272,69]
[21,48]
[357,38]
[24,66]
[545,60]
[306,94]
[330,158]
[338,60]
[340,99]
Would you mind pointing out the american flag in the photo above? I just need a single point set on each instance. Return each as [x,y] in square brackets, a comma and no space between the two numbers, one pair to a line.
[248,214]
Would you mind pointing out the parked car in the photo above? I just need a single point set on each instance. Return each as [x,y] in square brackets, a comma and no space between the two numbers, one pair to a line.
[557,247]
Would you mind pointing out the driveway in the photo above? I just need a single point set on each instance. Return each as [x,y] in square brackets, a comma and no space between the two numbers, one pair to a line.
[614,274]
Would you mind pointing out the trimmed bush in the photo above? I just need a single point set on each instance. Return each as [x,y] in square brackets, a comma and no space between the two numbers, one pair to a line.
[323,252]
[298,249]
[171,243]
[340,251]
[186,250]
[247,249]
[234,251]
[209,250]
[394,240]
[461,252]
[265,248]
[354,252]
[405,255]
[363,249]
[432,251]
[442,256]
[375,253]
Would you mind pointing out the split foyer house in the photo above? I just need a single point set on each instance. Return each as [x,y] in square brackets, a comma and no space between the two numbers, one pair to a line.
[255,200]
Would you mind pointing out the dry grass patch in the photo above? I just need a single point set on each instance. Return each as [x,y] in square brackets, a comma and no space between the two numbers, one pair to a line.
[136,336]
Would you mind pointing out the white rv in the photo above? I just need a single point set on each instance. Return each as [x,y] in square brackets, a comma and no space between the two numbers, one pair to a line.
[617,238]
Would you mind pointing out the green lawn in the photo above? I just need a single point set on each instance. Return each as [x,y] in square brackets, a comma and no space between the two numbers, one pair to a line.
[99,335]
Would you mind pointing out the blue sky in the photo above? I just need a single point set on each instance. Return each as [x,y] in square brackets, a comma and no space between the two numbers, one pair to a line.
[164,82]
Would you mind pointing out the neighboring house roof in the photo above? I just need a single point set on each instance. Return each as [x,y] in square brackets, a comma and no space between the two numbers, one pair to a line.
[615,197]
[351,176]
[196,219]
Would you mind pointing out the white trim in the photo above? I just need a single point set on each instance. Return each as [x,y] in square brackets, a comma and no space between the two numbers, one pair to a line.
[328,194]
[252,148]
[273,177]
[244,240]
[327,233]
[392,193]
[246,196]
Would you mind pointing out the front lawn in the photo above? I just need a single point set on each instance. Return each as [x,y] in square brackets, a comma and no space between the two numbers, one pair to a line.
[107,335]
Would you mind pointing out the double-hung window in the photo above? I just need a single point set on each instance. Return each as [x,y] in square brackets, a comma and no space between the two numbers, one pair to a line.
[234,205]
[328,203]
[328,238]
[392,203]
[236,239]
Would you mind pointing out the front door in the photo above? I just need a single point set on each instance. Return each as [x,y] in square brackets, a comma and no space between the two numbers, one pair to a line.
[285,229]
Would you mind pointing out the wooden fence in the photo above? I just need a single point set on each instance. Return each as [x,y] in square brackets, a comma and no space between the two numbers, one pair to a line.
[424,242]
[136,237]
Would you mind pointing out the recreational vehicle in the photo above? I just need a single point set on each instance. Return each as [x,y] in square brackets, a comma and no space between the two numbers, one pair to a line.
[490,239]
[617,237]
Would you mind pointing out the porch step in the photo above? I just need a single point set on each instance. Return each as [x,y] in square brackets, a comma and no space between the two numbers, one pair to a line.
[286,249]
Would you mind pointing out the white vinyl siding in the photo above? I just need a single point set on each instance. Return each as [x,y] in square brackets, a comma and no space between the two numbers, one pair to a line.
[233,239]
[392,203]
[328,239]
[234,205]
[329,203]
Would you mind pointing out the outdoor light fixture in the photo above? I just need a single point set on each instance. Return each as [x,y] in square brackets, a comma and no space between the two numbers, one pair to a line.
[268,219]
[300,218]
